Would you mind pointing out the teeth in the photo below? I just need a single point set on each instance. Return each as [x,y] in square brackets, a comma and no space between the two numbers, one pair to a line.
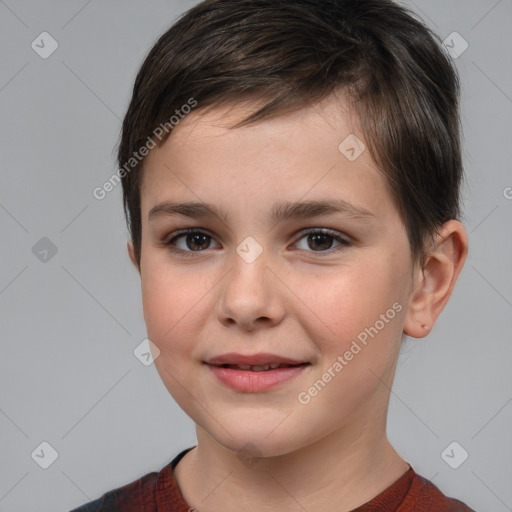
[260,368]
[256,368]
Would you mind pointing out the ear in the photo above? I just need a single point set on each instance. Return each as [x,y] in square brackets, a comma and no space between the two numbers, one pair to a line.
[434,282]
[131,254]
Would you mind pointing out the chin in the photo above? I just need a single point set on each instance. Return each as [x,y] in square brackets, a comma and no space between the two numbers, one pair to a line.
[252,437]
[259,446]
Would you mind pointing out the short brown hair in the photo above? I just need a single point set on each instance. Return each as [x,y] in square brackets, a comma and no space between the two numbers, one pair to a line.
[293,53]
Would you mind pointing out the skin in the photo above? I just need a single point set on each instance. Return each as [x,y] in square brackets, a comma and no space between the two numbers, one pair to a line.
[295,300]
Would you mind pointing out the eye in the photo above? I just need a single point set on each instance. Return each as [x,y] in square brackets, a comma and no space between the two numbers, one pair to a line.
[321,240]
[191,240]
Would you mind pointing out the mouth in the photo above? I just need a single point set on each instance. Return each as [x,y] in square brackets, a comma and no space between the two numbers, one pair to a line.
[259,367]
[254,373]
[261,361]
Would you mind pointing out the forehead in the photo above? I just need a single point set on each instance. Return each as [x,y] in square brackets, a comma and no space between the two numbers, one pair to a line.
[308,153]
[213,129]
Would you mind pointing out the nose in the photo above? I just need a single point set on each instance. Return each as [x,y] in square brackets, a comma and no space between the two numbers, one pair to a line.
[252,296]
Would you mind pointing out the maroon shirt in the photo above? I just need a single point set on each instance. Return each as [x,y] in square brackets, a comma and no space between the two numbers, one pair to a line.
[159,492]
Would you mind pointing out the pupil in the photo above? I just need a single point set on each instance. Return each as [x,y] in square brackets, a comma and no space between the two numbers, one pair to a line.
[318,237]
[197,239]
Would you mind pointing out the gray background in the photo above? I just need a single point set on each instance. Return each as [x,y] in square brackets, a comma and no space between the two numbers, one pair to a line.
[68,375]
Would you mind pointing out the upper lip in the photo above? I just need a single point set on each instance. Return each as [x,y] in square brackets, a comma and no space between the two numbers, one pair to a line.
[261,358]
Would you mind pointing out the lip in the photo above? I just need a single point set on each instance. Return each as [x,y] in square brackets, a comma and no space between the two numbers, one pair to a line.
[260,358]
[249,381]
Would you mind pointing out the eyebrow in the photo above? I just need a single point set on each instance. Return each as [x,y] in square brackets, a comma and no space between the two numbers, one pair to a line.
[280,212]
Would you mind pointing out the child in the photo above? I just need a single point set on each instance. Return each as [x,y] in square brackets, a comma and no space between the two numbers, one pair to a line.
[291,174]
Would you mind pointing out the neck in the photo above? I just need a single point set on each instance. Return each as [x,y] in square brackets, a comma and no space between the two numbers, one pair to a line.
[346,468]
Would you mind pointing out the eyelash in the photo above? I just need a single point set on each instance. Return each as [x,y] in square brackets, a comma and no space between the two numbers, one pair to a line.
[322,231]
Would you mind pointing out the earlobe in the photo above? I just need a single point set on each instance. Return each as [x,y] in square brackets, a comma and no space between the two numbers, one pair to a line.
[131,254]
[434,282]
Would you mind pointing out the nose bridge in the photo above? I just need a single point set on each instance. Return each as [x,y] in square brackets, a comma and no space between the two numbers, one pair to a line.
[249,292]
[249,276]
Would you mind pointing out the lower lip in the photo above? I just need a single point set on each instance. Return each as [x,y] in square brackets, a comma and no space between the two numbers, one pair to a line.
[248,381]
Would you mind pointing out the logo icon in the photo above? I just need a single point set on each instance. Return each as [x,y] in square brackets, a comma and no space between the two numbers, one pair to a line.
[44,45]
[146,352]
[44,250]
[249,454]
[456,45]
[249,249]
[454,455]
[351,147]
[44,455]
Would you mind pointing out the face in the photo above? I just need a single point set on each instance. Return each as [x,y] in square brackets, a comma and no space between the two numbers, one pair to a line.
[327,289]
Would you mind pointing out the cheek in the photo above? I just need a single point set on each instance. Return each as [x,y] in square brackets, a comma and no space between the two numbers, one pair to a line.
[363,303]
[174,307]
[173,312]
[361,312]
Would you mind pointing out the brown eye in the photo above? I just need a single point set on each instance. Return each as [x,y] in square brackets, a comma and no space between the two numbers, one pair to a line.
[189,241]
[321,240]
[197,241]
